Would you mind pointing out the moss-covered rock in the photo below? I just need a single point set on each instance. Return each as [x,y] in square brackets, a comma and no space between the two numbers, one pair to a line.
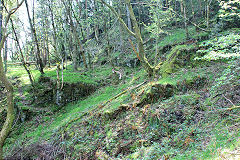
[179,56]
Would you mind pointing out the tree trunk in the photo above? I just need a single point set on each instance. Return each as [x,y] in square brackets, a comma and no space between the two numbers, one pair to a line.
[193,13]
[5,56]
[120,32]
[128,19]
[10,106]
[200,7]
[76,35]
[75,55]
[96,21]
[137,34]
[3,78]
[207,13]
[54,30]
[39,59]
[183,6]
[22,57]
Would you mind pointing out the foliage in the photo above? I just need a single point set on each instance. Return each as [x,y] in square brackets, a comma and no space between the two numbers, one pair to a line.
[192,122]
[230,13]
[230,75]
[160,19]
[178,35]
[221,47]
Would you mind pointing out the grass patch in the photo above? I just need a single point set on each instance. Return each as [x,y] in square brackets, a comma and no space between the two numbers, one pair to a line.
[19,72]
[88,77]
[177,36]
[51,124]
[183,74]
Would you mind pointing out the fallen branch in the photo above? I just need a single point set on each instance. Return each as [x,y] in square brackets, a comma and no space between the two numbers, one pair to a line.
[102,105]
[234,106]
[229,100]
[115,97]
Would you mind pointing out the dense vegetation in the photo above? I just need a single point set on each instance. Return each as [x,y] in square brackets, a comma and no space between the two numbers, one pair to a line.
[120,79]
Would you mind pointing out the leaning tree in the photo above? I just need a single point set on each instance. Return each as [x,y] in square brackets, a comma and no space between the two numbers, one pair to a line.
[3,78]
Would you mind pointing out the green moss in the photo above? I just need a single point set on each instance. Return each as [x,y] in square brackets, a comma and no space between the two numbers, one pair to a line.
[88,77]
[70,112]
[176,36]
[169,65]
[183,75]
[21,73]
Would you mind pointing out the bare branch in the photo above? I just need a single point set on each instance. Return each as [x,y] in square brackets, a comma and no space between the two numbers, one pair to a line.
[119,17]
[12,11]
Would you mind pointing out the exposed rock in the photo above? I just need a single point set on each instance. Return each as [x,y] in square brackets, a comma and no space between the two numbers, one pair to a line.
[47,92]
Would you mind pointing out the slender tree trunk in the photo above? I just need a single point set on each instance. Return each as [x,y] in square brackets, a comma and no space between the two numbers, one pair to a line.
[109,54]
[183,8]
[86,17]
[200,7]
[48,54]
[3,78]
[79,25]
[45,40]
[193,12]
[75,55]
[39,59]
[76,35]
[22,57]
[72,46]
[128,18]
[54,29]
[96,21]
[157,37]
[5,56]
[120,31]
[207,12]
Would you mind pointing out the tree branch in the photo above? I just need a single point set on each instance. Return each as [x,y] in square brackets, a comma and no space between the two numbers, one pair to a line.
[119,18]
[12,11]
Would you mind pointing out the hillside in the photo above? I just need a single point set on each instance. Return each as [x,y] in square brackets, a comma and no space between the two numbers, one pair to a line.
[165,86]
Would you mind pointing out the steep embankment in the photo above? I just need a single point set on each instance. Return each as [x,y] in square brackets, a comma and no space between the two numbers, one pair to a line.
[192,113]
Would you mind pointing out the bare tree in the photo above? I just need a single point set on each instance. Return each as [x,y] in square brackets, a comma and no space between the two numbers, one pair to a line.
[74,32]
[21,54]
[137,34]
[33,30]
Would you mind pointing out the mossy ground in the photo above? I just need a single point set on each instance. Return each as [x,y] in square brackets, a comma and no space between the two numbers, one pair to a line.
[173,139]
[88,77]
[193,123]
